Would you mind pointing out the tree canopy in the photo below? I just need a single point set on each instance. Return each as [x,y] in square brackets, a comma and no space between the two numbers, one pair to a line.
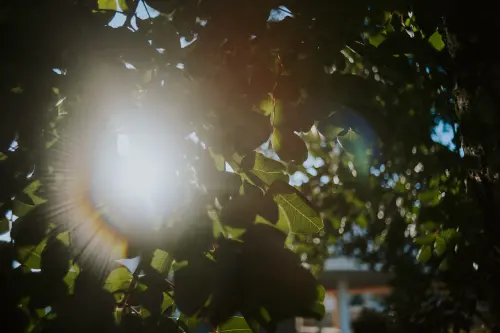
[283,132]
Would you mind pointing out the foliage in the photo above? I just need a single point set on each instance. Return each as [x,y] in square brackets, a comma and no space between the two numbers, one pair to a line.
[357,87]
[371,321]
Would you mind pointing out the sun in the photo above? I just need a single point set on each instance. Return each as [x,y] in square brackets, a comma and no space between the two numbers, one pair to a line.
[117,178]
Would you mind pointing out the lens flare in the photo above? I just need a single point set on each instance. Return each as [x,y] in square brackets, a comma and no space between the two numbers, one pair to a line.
[115,179]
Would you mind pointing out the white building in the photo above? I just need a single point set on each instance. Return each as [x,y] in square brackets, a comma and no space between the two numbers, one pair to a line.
[343,278]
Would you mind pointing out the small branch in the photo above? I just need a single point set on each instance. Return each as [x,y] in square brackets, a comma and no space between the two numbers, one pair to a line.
[114,11]
[131,13]
[147,10]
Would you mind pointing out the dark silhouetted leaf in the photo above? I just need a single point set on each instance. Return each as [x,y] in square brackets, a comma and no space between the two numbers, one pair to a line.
[131,324]
[30,229]
[193,284]
[240,211]
[152,300]
[168,325]
[289,146]
[4,225]
[268,209]
[55,259]
[6,257]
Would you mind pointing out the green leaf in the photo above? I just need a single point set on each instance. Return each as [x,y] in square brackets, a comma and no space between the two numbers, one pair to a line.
[25,198]
[118,279]
[266,169]
[319,307]
[376,40]
[30,256]
[439,246]
[267,105]
[278,116]
[65,238]
[330,131]
[220,162]
[431,195]
[428,239]
[167,301]
[352,142]
[449,234]
[235,325]
[424,254]
[32,187]
[436,40]
[31,194]
[4,225]
[161,261]
[20,208]
[108,4]
[282,223]
[301,215]
[191,323]
[70,278]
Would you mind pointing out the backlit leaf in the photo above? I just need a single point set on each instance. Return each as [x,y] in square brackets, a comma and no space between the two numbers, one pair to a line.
[30,255]
[424,254]
[161,261]
[192,284]
[266,169]
[118,279]
[376,40]
[70,278]
[352,142]
[267,105]
[302,216]
[439,246]
[108,4]
[235,325]
[436,40]
[428,239]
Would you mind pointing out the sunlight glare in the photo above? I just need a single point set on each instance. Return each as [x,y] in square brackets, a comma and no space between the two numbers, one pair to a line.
[130,180]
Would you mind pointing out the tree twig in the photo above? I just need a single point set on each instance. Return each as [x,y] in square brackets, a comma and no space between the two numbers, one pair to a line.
[131,13]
